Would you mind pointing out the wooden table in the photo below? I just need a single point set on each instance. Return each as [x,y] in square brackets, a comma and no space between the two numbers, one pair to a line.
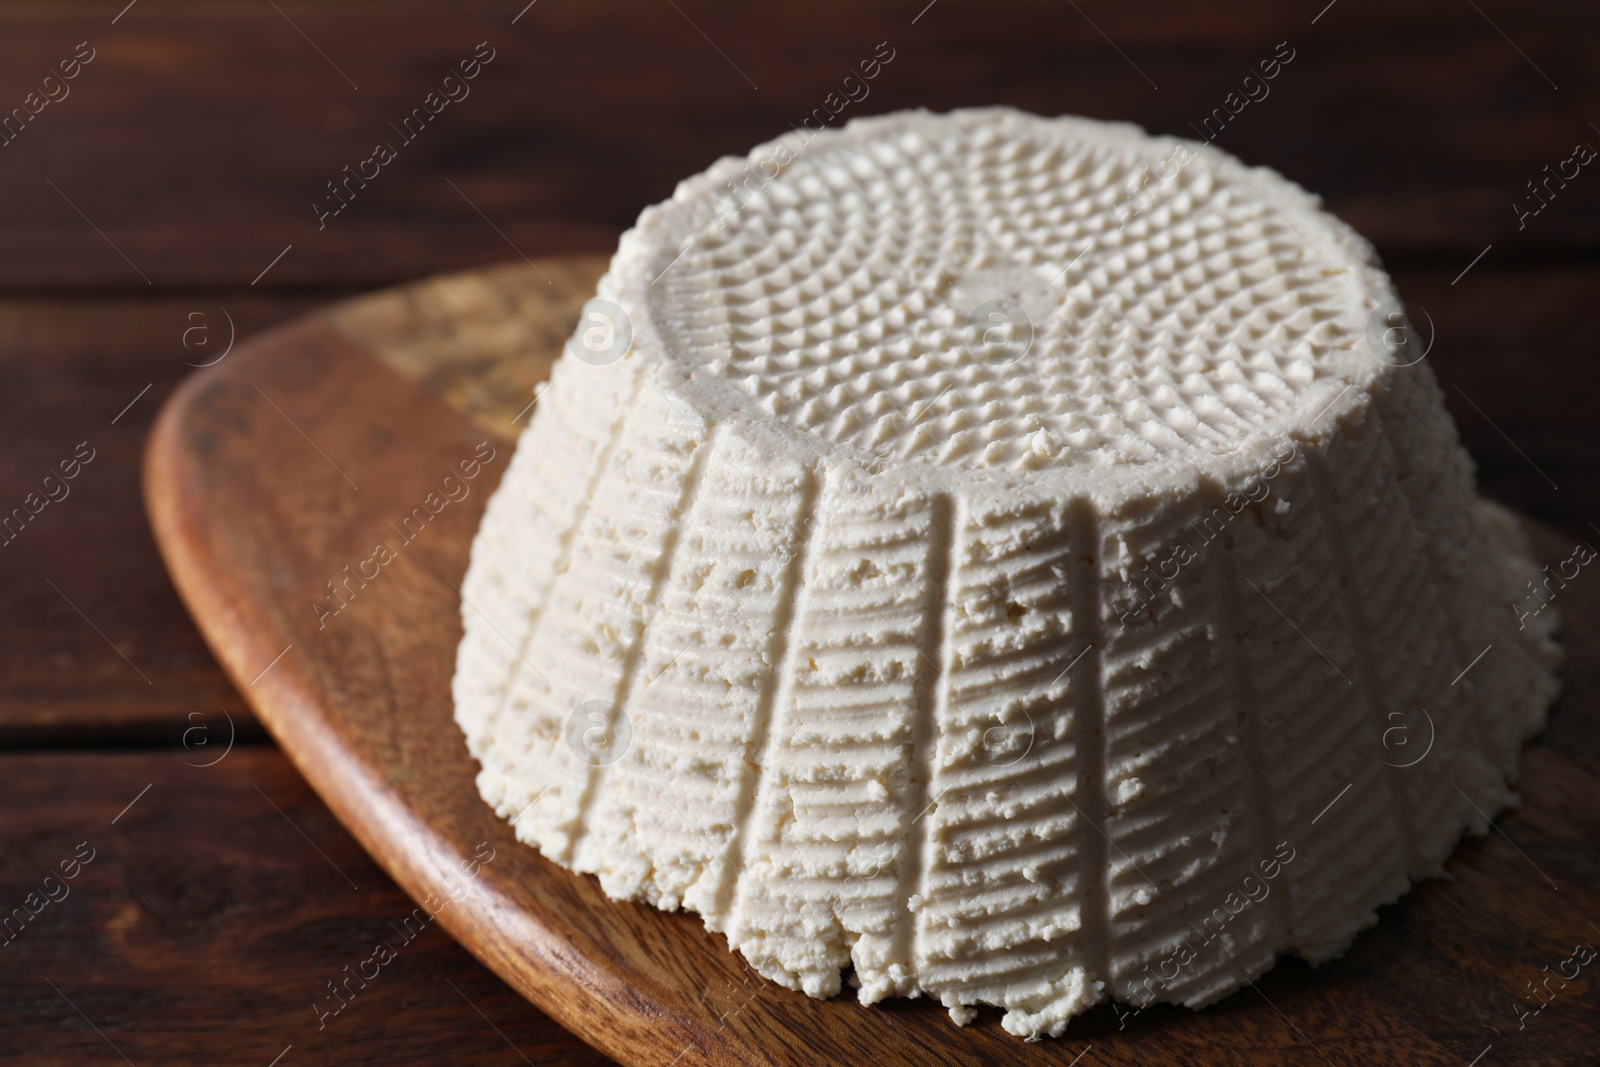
[164,201]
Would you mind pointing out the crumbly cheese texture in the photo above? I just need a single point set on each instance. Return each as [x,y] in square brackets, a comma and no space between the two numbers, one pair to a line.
[1088,659]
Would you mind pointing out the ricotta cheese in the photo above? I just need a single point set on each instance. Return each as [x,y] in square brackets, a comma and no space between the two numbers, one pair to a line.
[1014,561]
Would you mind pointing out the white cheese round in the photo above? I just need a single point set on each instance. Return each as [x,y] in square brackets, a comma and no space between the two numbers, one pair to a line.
[1011,560]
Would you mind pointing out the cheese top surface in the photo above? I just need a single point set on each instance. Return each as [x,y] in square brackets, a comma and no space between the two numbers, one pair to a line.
[997,559]
[986,291]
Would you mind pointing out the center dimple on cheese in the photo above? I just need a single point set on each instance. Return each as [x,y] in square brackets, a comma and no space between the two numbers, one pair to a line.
[991,300]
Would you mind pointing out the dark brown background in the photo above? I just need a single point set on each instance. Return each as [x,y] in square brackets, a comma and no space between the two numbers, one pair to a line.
[197,140]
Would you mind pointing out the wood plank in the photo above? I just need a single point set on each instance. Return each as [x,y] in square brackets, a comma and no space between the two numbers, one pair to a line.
[209,920]
[361,702]
[94,635]
[590,111]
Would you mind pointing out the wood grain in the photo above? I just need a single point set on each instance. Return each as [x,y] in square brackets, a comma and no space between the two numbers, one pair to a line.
[96,645]
[269,473]
[202,133]
[480,341]
[205,927]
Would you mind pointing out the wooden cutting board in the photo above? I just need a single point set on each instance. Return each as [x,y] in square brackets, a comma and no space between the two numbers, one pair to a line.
[285,467]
